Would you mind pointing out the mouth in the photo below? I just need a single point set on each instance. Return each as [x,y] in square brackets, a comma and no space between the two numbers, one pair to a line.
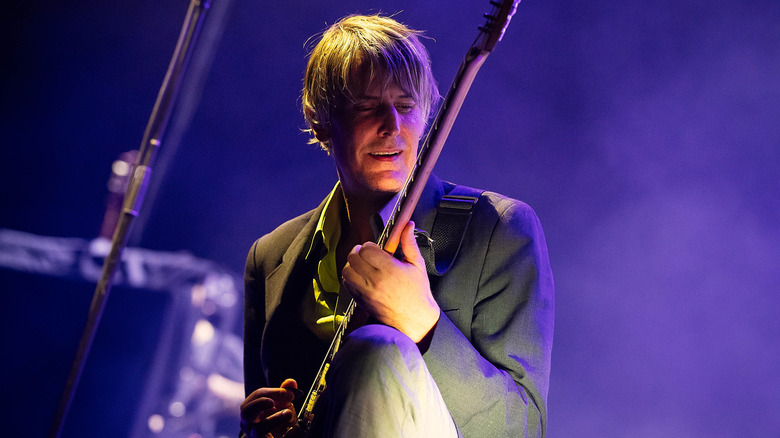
[385,154]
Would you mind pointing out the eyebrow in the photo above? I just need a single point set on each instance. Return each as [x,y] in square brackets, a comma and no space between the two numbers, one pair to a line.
[367,97]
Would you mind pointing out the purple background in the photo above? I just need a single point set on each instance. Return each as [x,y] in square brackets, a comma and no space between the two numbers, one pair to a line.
[644,134]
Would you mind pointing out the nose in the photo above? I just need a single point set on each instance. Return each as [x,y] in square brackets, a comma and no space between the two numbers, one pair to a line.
[390,122]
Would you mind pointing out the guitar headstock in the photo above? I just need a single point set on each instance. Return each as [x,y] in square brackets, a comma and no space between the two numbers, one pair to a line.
[495,25]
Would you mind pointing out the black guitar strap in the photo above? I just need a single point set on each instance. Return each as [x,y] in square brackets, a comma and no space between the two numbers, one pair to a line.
[453,214]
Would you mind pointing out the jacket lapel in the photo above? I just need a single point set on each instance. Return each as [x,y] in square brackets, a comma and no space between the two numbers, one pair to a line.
[425,212]
[277,281]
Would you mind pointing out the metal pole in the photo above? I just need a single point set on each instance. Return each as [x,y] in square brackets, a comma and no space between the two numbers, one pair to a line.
[133,197]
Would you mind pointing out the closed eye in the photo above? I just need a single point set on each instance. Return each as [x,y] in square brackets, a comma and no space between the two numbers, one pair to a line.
[404,108]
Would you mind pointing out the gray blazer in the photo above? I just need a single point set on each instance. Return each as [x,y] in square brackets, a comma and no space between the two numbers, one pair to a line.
[490,352]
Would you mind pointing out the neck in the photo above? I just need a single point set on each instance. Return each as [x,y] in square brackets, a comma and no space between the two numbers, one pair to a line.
[356,223]
[360,211]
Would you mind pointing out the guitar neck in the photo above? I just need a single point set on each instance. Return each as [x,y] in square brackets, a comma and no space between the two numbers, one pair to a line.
[431,149]
[490,34]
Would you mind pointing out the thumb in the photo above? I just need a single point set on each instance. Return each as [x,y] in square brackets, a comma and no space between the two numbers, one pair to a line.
[292,386]
[289,383]
[409,247]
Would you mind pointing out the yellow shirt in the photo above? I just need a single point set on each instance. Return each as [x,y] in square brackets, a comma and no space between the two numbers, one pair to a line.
[322,310]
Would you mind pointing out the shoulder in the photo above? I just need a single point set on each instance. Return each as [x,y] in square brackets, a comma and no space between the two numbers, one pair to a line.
[501,227]
[508,210]
[512,223]
[268,250]
[494,210]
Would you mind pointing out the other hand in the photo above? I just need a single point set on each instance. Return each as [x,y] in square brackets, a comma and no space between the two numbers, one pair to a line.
[268,412]
[395,292]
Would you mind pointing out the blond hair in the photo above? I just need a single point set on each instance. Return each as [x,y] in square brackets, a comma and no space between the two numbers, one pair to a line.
[388,48]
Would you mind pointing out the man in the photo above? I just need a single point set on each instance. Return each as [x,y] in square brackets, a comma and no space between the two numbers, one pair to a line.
[463,354]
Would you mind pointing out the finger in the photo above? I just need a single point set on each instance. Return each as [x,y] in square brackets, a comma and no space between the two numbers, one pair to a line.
[253,413]
[409,247]
[273,393]
[349,282]
[289,384]
[280,396]
[373,259]
[252,408]
[275,421]
[292,386]
[294,432]
[357,271]
[360,258]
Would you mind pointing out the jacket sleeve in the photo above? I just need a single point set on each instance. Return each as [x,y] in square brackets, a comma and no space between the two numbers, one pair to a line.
[493,369]
[254,321]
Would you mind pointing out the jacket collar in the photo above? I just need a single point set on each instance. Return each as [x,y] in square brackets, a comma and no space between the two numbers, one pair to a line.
[425,212]
[423,216]
[277,280]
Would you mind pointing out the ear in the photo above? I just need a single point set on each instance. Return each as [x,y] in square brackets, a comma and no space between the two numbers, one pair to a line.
[321,133]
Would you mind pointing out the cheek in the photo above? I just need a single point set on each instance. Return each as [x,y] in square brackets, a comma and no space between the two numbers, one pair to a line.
[345,162]
[413,124]
[341,155]
[413,134]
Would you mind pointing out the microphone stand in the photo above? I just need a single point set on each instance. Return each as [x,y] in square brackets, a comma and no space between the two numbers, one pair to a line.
[134,196]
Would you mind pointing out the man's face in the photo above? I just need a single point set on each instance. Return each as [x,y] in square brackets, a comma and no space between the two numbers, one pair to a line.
[374,140]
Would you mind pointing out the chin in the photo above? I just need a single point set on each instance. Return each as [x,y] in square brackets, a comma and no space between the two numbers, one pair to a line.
[389,182]
[391,187]
[383,190]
